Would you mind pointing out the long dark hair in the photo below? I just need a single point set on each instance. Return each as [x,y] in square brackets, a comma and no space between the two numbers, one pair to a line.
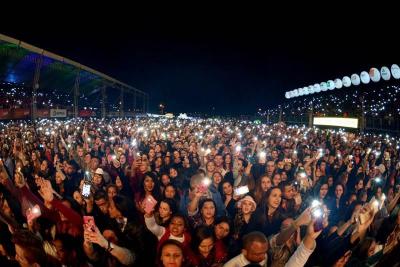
[126,207]
[177,197]
[156,192]
[202,202]
[258,191]
[361,251]
[230,164]
[173,205]
[201,233]
[265,203]
[33,248]
[221,187]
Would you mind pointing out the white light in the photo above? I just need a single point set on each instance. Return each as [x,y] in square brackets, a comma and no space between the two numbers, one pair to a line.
[262,154]
[375,74]
[338,83]
[364,77]
[133,143]
[355,79]
[346,81]
[206,181]
[340,122]
[330,85]
[238,148]
[324,86]
[395,71]
[385,73]
[36,210]
[315,203]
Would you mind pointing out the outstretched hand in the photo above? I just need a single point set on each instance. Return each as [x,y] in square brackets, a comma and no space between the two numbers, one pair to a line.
[46,191]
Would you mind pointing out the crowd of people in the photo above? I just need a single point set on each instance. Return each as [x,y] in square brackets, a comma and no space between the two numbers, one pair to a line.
[158,192]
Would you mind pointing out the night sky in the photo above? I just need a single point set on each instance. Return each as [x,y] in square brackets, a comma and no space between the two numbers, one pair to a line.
[231,68]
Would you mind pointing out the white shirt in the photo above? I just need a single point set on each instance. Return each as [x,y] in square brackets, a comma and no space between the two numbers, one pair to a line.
[240,261]
[298,259]
[159,231]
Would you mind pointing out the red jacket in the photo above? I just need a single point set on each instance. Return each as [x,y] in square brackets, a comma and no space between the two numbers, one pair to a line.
[165,237]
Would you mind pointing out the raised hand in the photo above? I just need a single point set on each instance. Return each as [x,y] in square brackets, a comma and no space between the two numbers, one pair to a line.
[46,191]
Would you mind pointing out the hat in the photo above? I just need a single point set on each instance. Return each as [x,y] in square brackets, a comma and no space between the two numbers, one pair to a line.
[99,171]
[381,168]
[247,198]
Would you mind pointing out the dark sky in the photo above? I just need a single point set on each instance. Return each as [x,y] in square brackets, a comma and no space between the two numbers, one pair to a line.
[235,68]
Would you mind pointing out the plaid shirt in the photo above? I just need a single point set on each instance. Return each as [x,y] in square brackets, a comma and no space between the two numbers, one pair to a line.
[279,254]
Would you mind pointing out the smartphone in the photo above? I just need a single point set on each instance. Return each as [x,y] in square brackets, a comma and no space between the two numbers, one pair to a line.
[242,190]
[86,190]
[318,224]
[88,221]
[318,215]
[203,186]
[287,160]
[33,213]
[296,185]
[149,204]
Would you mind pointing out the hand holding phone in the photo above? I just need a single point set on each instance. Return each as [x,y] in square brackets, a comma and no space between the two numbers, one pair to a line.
[89,223]
[203,186]
[318,214]
[242,190]
[86,190]
[33,213]
[149,204]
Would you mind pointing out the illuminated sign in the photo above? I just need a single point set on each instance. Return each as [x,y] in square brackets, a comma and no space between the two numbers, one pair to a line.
[338,122]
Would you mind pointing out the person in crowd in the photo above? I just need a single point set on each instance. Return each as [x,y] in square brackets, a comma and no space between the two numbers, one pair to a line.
[170,195]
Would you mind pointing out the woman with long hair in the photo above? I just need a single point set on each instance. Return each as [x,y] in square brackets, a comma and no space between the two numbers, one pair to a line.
[148,187]
[262,186]
[228,163]
[337,205]
[269,216]
[204,250]
[227,193]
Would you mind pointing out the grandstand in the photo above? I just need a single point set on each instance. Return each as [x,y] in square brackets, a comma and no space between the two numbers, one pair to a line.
[35,83]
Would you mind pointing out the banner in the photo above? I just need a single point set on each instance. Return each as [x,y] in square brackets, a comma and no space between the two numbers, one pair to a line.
[335,121]
[58,113]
